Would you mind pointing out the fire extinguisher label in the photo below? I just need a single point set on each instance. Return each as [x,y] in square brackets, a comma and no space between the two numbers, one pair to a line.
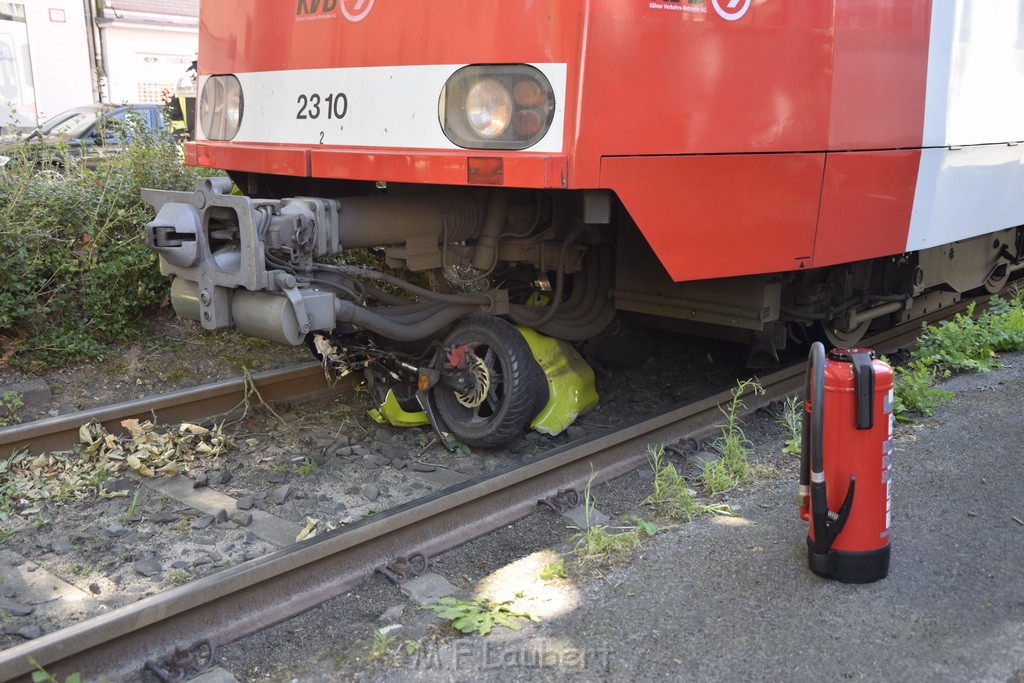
[888,509]
[887,467]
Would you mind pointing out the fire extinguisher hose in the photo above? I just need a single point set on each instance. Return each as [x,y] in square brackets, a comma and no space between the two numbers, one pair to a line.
[812,429]
[827,525]
[815,459]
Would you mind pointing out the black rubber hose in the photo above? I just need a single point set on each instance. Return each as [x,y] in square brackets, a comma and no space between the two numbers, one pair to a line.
[572,304]
[520,313]
[804,492]
[819,495]
[408,315]
[596,314]
[371,292]
[365,273]
[333,286]
[584,330]
[596,282]
[346,311]
[805,427]
[578,305]
[556,297]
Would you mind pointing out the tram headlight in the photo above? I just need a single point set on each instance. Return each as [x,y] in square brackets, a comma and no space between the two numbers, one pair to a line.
[221,105]
[506,106]
[488,108]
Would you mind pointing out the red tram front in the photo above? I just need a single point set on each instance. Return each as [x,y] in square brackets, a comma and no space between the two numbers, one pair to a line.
[756,170]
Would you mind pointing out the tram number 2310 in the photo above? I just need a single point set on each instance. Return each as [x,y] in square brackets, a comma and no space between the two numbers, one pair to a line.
[313,106]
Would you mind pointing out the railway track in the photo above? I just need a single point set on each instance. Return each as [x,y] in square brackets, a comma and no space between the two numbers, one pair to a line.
[242,599]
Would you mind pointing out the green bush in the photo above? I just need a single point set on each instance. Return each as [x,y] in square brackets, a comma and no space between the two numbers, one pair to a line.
[77,275]
[970,344]
[963,344]
[915,392]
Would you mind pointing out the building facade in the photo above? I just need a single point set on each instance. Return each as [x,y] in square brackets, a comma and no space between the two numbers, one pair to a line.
[146,46]
[57,54]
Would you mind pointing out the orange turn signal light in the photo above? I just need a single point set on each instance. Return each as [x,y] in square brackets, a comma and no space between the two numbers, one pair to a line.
[485,170]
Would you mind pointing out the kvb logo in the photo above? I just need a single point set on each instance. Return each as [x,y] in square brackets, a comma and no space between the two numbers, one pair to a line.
[733,10]
[356,10]
[353,10]
[314,7]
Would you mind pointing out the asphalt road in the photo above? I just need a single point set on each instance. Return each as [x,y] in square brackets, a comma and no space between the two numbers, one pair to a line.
[735,601]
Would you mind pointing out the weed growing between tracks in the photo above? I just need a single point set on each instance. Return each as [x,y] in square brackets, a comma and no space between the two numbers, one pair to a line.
[382,643]
[915,391]
[382,651]
[672,497]
[10,404]
[600,544]
[792,420]
[735,449]
[41,675]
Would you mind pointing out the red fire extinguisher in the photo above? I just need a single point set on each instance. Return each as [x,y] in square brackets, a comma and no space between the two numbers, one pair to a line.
[845,464]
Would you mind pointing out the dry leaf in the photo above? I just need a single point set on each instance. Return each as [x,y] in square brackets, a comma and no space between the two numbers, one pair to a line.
[133,427]
[309,531]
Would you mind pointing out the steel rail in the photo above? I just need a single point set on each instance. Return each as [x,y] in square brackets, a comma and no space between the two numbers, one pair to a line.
[297,383]
[243,599]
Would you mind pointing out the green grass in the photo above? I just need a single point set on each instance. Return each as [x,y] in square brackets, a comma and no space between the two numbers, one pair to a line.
[671,495]
[179,374]
[134,506]
[717,478]
[80,570]
[177,577]
[734,448]
[10,405]
[971,344]
[381,643]
[792,420]
[604,545]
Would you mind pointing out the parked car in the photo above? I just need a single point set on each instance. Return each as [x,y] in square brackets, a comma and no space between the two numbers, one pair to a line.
[87,134]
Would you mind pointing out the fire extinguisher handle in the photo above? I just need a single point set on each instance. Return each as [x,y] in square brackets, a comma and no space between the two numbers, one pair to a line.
[864,381]
[837,520]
